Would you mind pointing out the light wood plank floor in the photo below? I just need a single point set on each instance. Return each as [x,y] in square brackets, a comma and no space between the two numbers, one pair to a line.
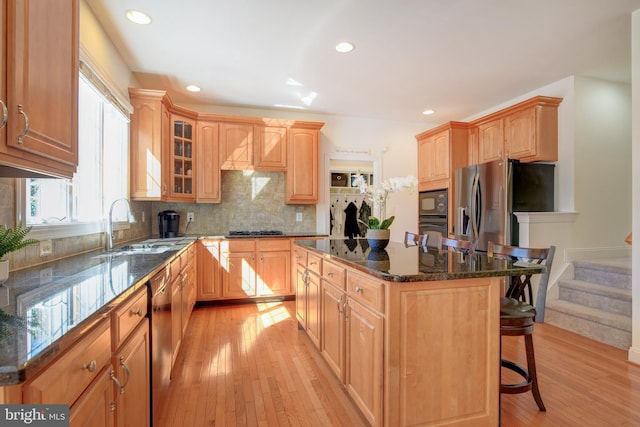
[249,365]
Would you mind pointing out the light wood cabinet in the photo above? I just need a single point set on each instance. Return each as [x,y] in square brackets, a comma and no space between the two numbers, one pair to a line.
[96,406]
[188,261]
[131,364]
[176,310]
[527,131]
[39,86]
[364,357]
[333,303]
[274,267]
[236,146]
[308,308]
[238,268]
[207,160]
[150,132]
[270,148]
[180,160]
[209,287]
[441,151]
[302,165]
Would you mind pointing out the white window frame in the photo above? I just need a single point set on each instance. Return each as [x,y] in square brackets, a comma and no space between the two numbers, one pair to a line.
[72,229]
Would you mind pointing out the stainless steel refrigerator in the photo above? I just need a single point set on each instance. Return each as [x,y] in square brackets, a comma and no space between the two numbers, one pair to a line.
[487,195]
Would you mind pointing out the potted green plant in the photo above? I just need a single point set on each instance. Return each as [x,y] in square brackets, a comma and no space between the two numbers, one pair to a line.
[11,240]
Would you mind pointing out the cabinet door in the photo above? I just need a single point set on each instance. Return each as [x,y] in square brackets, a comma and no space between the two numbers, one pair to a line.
[181,162]
[313,309]
[236,146]
[490,141]
[176,319]
[274,270]
[96,406]
[426,155]
[270,148]
[238,274]
[364,354]
[441,147]
[149,125]
[207,163]
[208,270]
[520,131]
[131,364]
[333,327]
[301,295]
[302,166]
[42,85]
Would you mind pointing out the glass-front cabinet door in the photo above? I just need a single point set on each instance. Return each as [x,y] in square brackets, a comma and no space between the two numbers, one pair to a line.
[182,159]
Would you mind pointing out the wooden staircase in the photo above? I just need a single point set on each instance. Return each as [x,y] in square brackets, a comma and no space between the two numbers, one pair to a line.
[596,303]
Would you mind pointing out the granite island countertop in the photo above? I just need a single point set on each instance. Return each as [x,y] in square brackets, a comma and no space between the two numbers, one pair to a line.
[397,263]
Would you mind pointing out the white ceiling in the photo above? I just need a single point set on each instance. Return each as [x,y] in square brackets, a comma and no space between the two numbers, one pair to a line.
[459,57]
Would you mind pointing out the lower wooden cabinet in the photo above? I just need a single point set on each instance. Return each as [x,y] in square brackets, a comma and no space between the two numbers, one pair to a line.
[208,270]
[96,406]
[131,365]
[332,332]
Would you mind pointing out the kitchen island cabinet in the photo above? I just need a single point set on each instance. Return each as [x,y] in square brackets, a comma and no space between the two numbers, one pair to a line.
[421,339]
[39,86]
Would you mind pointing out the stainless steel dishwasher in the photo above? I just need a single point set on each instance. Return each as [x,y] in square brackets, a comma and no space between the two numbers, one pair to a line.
[160,342]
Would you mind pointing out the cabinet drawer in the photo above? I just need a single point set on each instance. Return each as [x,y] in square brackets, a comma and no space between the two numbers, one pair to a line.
[300,256]
[334,273]
[314,263]
[126,317]
[66,378]
[238,245]
[365,290]
[266,245]
[187,256]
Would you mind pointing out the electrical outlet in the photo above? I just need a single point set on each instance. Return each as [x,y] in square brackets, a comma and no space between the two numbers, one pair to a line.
[298,216]
[46,275]
[46,248]
[190,217]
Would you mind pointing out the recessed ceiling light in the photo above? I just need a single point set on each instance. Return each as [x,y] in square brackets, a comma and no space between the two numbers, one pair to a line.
[138,16]
[345,47]
[428,112]
[193,88]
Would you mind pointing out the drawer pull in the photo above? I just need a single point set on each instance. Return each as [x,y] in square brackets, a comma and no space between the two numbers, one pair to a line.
[358,289]
[313,262]
[112,374]
[91,367]
[138,312]
[5,114]
[126,370]
[26,124]
[331,274]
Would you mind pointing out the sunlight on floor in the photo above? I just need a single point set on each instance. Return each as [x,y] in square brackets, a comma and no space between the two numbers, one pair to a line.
[272,313]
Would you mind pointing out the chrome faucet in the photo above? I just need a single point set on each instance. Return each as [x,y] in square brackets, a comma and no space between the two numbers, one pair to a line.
[130,219]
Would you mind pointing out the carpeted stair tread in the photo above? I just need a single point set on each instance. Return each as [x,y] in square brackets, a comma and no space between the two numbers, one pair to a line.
[594,315]
[605,291]
[621,266]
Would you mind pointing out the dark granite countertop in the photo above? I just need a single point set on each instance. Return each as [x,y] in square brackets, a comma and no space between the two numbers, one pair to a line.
[46,308]
[397,263]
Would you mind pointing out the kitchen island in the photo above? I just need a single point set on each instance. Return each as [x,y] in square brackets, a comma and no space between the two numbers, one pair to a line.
[413,335]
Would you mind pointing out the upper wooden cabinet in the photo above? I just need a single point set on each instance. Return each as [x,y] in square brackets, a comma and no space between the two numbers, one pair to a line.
[180,157]
[207,157]
[440,151]
[527,131]
[39,86]
[259,147]
[302,168]
[150,130]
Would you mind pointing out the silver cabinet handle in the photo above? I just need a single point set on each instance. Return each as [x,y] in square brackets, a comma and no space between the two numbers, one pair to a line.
[126,370]
[112,375]
[331,274]
[26,124]
[5,114]
[358,289]
[91,367]
[339,303]
[138,312]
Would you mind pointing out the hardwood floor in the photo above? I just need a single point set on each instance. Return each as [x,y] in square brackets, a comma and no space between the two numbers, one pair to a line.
[249,365]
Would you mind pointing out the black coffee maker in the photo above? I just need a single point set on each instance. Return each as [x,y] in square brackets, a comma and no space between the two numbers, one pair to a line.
[168,224]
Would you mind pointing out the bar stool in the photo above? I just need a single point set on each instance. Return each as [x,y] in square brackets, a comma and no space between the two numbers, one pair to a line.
[517,313]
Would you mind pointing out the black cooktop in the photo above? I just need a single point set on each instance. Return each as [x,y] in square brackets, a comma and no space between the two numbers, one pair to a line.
[256,233]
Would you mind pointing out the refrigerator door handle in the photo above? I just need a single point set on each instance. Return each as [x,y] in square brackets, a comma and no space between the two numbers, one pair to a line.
[474,207]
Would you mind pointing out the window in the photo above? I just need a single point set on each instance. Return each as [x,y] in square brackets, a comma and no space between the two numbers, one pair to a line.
[101,177]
